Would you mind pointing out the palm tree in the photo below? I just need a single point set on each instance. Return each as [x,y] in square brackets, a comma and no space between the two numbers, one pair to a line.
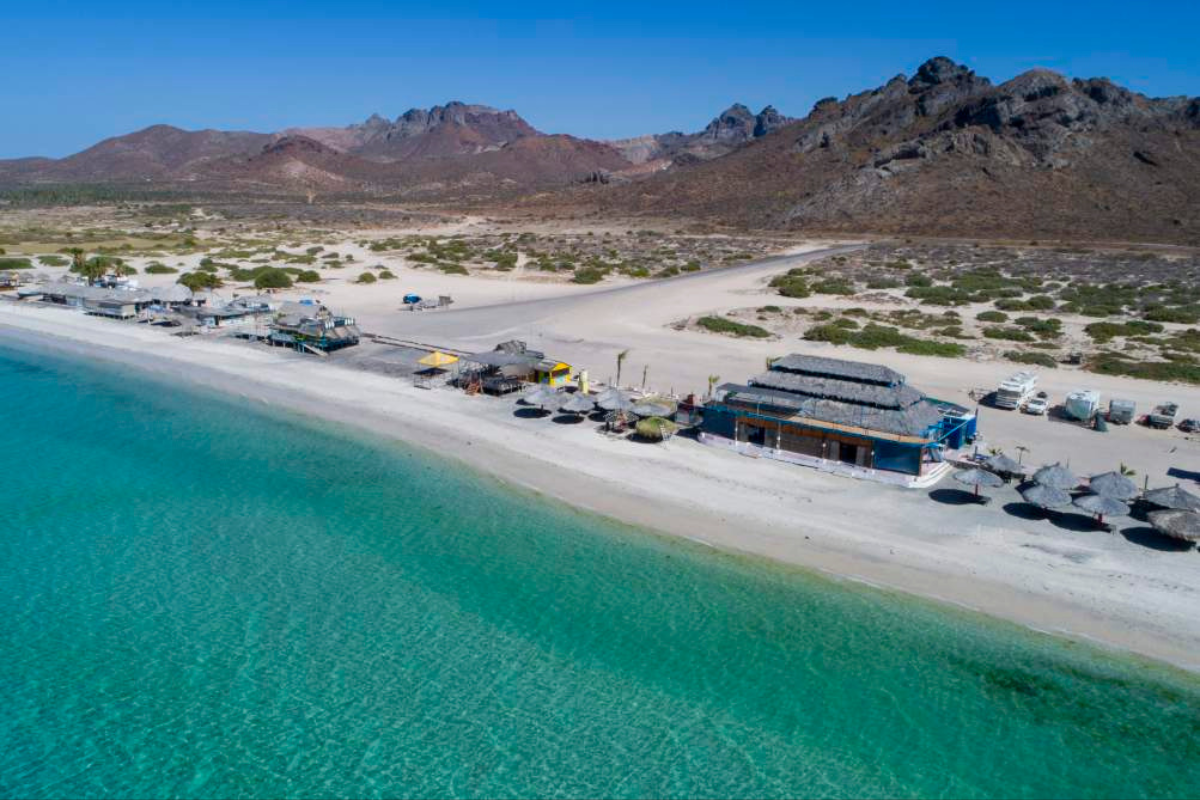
[95,268]
[621,356]
[78,259]
[121,269]
[712,382]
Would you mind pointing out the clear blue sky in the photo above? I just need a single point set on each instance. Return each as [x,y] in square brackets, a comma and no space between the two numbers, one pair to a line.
[72,73]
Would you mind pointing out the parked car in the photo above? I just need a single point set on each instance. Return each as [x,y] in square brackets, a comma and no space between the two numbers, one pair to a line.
[1037,406]
[1190,425]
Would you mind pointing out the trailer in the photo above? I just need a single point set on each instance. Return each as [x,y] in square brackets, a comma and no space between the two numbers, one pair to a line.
[1163,416]
[1121,412]
[1015,390]
[1082,404]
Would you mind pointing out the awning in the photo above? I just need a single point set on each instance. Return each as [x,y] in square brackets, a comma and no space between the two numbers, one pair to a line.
[438,359]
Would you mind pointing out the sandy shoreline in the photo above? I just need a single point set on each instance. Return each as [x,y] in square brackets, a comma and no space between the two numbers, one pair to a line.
[1087,586]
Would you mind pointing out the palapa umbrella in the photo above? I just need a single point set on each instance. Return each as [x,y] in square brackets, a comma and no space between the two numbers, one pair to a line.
[1113,485]
[653,408]
[615,401]
[437,359]
[578,403]
[543,397]
[1004,465]
[1046,497]
[978,477]
[1177,523]
[1173,497]
[1102,506]
[1056,476]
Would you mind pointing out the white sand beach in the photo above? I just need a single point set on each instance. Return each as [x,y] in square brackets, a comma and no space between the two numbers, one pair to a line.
[1089,585]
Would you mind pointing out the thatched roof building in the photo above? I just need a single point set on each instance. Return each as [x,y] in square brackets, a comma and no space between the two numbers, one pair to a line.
[864,414]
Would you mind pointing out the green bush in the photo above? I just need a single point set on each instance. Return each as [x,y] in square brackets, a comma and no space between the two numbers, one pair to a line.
[366,277]
[271,278]
[200,280]
[15,263]
[791,285]
[308,276]
[387,275]
[1038,359]
[53,261]
[1102,332]
[1008,334]
[588,275]
[723,325]
[883,283]
[1113,364]
[919,347]
[1184,315]
[838,286]
[918,281]
[1040,302]
[992,316]
[160,269]
[833,334]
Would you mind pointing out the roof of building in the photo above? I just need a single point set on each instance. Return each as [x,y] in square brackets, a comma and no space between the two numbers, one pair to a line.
[914,420]
[819,366]
[899,395]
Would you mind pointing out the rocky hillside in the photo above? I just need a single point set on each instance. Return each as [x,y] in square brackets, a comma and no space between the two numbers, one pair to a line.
[732,128]
[946,152]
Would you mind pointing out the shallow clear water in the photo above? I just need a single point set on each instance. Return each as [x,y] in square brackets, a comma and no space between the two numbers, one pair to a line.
[201,598]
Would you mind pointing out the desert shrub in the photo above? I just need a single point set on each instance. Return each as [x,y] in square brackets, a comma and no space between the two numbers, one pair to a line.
[723,325]
[160,269]
[387,275]
[838,286]
[1040,302]
[588,275]
[939,295]
[791,284]
[271,278]
[833,334]
[1102,332]
[918,281]
[453,269]
[770,309]
[200,280]
[308,276]
[1184,315]
[312,251]
[920,347]
[1037,359]
[15,263]
[883,283]
[1007,334]
[846,322]
[691,266]
[1114,364]
[992,316]
[366,277]
[1043,328]
[53,261]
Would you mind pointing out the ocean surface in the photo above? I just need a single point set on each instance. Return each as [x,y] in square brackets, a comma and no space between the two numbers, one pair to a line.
[201,597]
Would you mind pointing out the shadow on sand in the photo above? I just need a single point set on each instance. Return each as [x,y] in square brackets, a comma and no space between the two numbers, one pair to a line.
[568,419]
[526,412]
[1027,511]
[953,497]
[1148,537]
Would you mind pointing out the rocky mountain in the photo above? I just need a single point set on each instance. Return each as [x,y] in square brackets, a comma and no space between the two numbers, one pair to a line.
[729,130]
[946,152]
[450,130]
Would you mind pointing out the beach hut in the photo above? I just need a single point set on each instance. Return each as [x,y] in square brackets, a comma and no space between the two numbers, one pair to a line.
[1004,466]
[1177,523]
[978,477]
[1173,497]
[617,401]
[552,373]
[1114,485]
[653,408]
[543,397]
[1056,476]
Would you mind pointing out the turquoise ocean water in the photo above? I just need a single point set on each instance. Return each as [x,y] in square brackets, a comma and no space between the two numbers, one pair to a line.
[199,598]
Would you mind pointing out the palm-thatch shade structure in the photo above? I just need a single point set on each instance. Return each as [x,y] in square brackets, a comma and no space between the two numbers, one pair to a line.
[615,401]
[437,360]
[1113,485]
[543,397]
[978,477]
[1177,523]
[1046,496]
[1056,476]
[653,408]
[655,428]
[1173,497]
[1102,506]
[578,403]
[1003,465]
